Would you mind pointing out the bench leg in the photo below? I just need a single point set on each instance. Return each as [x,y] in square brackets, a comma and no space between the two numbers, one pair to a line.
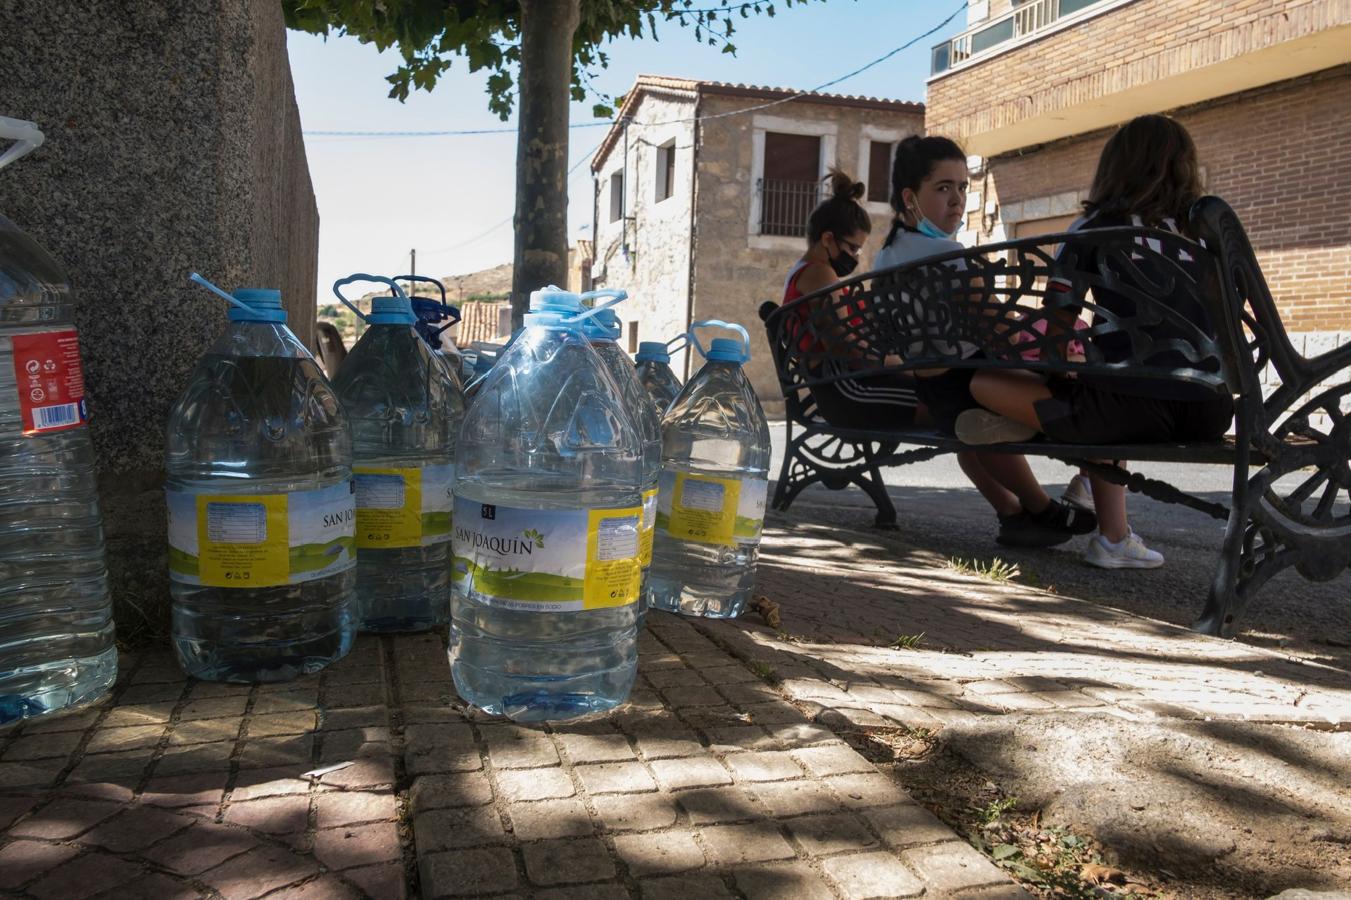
[812,457]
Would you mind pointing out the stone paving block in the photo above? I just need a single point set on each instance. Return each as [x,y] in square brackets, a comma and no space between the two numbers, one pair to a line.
[252,784]
[42,746]
[770,882]
[172,791]
[549,819]
[730,674]
[567,861]
[589,748]
[584,892]
[120,768]
[449,829]
[535,784]
[694,771]
[11,808]
[354,743]
[669,745]
[444,791]
[801,734]
[213,689]
[86,876]
[734,738]
[129,713]
[357,845]
[384,882]
[693,695]
[996,892]
[257,872]
[194,759]
[827,835]
[62,820]
[675,677]
[708,717]
[906,825]
[285,701]
[22,861]
[341,695]
[135,829]
[363,774]
[131,738]
[353,675]
[156,887]
[325,887]
[265,753]
[204,731]
[764,766]
[873,789]
[688,887]
[748,692]
[736,845]
[467,872]
[353,717]
[833,759]
[514,747]
[778,712]
[793,798]
[706,806]
[615,778]
[636,812]
[272,815]
[335,808]
[952,866]
[283,723]
[213,708]
[662,853]
[200,848]
[422,689]
[868,875]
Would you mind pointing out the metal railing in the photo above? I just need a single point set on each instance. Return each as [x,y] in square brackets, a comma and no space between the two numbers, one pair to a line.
[1019,22]
[785,205]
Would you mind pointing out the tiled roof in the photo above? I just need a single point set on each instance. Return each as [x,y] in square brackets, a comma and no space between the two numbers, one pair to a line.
[693,87]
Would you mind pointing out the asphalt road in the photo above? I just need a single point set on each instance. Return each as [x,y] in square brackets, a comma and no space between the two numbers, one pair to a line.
[939,511]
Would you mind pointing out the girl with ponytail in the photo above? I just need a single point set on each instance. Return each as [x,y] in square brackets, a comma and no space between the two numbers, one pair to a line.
[836,232]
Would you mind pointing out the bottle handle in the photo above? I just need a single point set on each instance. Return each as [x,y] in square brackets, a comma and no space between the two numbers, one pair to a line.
[27,137]
[423,305]
[362,276]
[614,296]
[425,280]
[719,323]
[225,295]
[678,343]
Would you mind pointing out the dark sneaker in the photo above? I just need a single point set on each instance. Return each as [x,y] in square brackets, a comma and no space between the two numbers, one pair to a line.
[1022,530]
[1063,517]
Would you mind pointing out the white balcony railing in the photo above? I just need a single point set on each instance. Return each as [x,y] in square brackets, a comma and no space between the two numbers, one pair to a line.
[1022,21]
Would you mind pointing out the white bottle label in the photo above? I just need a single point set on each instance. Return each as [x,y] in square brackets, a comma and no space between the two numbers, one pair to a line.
[547,560]
[403,507]
[709,509]
[261,540]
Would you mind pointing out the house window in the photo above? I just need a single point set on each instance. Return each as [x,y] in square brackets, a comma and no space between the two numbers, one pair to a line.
[616,196]
[879,170]
[791,185]
[633,337]
[665,171]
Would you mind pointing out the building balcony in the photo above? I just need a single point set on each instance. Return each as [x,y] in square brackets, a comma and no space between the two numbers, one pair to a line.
[785,205]
[1004,32]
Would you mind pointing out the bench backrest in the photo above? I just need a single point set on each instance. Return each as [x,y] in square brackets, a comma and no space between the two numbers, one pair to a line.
[1160,307]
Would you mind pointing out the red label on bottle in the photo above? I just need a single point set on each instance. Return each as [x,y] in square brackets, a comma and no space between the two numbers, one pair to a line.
[50,381]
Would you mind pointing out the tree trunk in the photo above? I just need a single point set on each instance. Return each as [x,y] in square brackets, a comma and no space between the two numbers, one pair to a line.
[541,255]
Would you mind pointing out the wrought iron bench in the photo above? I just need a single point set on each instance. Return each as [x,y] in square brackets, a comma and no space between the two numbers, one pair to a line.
[1290,448]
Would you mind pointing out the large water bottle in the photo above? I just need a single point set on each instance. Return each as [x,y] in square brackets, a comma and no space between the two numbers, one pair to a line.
[262,509]
[405,406]
[603,331]
[655,375]
[548,509]
[56,625]
[714,477]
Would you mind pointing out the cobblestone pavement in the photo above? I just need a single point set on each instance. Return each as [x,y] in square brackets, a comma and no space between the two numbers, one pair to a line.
[371,779]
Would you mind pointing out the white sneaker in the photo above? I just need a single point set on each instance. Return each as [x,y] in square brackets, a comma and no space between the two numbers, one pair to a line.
[980,426]
[1079,494]
[1131,553]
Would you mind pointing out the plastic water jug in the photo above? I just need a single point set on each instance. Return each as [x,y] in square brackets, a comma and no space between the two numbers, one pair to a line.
[548,512]
[434,318]
[655,375]
[405,407]
[56,625]
[262,508]
[714,477]
[603,331]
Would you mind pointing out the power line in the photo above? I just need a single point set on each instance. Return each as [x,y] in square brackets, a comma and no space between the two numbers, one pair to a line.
[609,123]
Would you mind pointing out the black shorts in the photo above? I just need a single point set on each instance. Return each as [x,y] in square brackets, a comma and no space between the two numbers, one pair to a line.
[946,396]
[874,402]
[1078,413]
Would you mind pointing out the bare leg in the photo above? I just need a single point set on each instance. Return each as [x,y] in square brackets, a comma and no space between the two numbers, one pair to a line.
[1011,394]
[1004,501]
[1110,501]
[1012,472]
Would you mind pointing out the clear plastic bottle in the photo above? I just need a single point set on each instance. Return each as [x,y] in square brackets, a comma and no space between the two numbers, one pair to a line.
[405,407]
[715,467]
[548,511]
[603,331]
[262,550]
[56,624]
[654,372]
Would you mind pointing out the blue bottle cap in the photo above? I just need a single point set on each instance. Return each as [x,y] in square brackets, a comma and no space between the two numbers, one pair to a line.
[603,326]
[652,351]
[726,350]
[551,305]
[391,311]
[259,305]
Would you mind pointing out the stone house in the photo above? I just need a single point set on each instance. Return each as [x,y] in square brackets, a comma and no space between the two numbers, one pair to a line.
[1034,87]
[702,191]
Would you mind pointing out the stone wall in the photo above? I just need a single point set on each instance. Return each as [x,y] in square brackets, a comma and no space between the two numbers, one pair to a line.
[173,144]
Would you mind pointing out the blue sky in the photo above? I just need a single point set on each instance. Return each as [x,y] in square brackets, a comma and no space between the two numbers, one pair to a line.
[451,197]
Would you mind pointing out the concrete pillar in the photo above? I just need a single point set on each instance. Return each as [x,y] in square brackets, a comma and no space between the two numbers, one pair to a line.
[173,144]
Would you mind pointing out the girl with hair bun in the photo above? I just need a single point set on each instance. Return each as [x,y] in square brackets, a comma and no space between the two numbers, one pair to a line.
[929,181]
[837,229]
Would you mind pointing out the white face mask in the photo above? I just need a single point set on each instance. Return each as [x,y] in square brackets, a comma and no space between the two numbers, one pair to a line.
[926,227]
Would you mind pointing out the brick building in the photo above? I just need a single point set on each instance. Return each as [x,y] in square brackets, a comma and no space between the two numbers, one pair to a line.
[1033,88]
[702,192]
